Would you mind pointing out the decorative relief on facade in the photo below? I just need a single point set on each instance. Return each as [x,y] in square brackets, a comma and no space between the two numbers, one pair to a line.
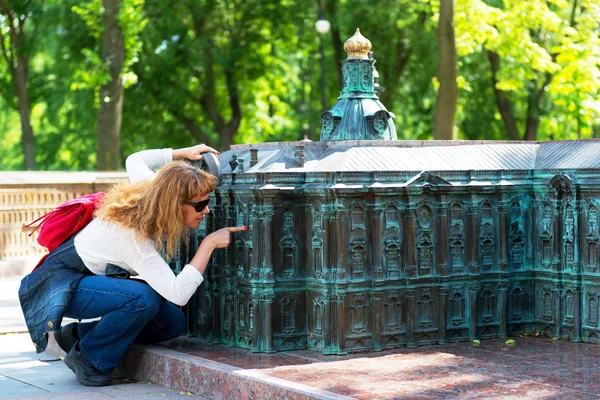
[516,303]
[487,251]
[568,235]
[516,251]
[329,121]
[318,314]
[357,216]
[240,255]
[425,309]
[457,239]
[380,122]
[392,217]
[592,220]
[562,185]
[592,263]
[547,219]
[241,316]
[592,308]
[488,301]
[366,75]
[288,244]
[358,314]
[392,256]
[425,255]
[358,251]
[486,238]
[227,315]
[592,239]
[317,240]
[317,218]
[546,251]
[569,254]
[547,235]
[457,256]
[457,225]
[547,306]
[288,222]
[241,219]
[317,246]
[456,308]
[569,307]
[288,313]
[517,233]
[393,312]
[250,317]
[288,255]
[424,217]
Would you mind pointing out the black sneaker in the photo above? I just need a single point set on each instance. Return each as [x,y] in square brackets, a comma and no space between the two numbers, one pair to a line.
[66,336]
[85,372]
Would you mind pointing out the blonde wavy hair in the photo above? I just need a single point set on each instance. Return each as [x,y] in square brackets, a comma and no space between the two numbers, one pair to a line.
[154,207]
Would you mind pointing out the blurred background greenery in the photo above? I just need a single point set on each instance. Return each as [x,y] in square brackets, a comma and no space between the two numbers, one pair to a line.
[85,83]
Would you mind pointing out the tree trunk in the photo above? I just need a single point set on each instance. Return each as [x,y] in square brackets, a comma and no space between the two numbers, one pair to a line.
[532,122]
[27,139]
[393,73]
[503,102]
[447,97]
[111,94]
[17,61]
[336,38]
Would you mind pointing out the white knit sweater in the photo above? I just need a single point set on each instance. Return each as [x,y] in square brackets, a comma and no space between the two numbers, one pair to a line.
[101,242]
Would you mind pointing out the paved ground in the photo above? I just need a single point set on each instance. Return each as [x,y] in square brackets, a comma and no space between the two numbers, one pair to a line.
[11,317]
[27,375]
[533,368]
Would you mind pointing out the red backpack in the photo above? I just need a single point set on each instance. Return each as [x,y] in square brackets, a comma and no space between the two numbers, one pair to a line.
[65,220]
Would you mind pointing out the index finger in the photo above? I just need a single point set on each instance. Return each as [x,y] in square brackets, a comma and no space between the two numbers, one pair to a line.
[237,228]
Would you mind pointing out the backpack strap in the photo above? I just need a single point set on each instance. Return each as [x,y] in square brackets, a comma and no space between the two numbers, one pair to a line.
[42,218]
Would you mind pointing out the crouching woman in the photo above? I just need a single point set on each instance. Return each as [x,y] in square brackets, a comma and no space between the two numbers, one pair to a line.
[134,223]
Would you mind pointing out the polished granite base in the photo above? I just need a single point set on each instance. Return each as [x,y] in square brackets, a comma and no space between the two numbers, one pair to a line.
[532,368]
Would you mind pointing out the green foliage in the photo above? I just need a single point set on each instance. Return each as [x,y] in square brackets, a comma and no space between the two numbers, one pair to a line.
[188,61]
[94,73]
[91,14]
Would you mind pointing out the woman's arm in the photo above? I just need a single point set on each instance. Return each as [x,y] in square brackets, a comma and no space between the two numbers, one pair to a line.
[194,152]
[146,261]
[216,240]
[143,164]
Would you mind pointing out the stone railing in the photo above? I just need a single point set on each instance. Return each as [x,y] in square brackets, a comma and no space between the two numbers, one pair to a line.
[25,196]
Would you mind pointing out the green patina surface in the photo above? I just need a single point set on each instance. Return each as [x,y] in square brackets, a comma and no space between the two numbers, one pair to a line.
[352,246]
[338,269]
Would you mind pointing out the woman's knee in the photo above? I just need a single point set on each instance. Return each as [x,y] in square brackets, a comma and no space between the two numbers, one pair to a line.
[147,299]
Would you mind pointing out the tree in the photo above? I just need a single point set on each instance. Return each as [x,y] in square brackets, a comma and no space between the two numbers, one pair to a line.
[118,22]
[204,65]
[111,93]
[16,46]
[543,62]
[447,97]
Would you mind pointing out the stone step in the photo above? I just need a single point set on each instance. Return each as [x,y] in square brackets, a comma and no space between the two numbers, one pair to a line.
[527,367]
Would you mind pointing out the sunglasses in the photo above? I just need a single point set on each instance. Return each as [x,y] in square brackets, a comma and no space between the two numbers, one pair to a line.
[199,206]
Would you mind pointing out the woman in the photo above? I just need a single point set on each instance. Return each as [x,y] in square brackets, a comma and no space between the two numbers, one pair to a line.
[134,222]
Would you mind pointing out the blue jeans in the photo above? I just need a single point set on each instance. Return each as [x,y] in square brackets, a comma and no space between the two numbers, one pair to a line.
[131,311]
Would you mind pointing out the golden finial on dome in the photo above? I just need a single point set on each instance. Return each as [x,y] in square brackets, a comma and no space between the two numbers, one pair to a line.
[357,46]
